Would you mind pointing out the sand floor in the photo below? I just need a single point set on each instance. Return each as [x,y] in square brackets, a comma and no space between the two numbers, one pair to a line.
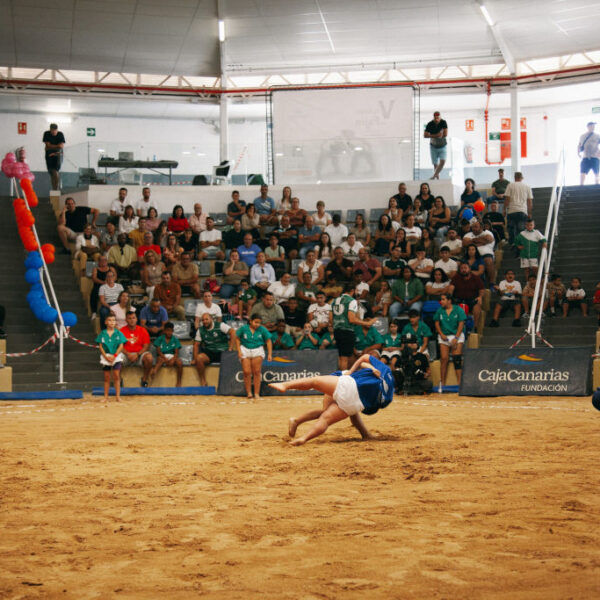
[201,497]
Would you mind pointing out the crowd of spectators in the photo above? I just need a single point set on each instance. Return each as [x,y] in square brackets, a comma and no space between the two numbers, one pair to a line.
[287,265]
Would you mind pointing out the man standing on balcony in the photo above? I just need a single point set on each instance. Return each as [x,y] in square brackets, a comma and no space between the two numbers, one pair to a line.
[587,150]
[437,132]
[54,142]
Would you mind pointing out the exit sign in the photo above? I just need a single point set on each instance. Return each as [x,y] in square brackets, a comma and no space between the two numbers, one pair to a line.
[596,109]
[494,135]
[91,132]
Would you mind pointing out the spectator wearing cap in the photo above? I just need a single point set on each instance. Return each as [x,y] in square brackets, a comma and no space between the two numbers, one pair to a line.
[437,132]
[337,232]
[499,186]
[123,258]
[587,150]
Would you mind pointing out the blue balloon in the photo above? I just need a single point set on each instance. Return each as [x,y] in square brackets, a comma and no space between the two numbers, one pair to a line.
[38,309]
[467,214]
[37,287]
[35,297]
[70,319]
[32,276]
[49,315]
[33,261]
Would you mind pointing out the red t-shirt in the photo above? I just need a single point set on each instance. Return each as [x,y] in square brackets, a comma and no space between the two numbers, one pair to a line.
[467,289]
[136,339]
[597,297]
[143,249]
[177,225]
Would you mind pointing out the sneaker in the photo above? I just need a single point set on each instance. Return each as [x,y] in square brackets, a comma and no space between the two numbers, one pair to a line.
[144,383]
[494,323]
[93,316]
[525,316]
[516,323]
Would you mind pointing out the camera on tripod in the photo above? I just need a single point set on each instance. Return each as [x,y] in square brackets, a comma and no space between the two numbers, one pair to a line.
[412,370]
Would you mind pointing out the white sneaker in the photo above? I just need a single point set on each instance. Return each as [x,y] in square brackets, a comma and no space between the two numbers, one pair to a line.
[93,316]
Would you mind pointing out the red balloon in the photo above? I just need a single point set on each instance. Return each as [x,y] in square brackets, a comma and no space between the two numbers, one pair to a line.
[48,257]
[48,248]
[479,205]
[28,190]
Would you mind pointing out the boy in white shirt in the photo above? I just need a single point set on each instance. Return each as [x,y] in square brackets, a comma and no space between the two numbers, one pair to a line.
[445,263]
[510,294]
[320,315]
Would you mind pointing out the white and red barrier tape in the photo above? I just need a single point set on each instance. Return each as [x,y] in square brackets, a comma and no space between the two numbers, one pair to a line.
[86,344]
[16,354]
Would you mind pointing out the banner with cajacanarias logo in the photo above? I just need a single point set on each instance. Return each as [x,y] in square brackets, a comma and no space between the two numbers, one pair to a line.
[527,372]
[285,366]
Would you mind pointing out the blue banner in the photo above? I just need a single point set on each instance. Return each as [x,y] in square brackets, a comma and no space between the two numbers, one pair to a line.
[285,366]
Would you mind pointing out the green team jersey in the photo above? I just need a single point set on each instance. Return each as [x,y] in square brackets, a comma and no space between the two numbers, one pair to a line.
[423,331]
[390,341]
[167,346]
[252,340]
[449,322]
[341,307]
[363,340]
[247,295]
[328,338]
[306,343]
[530,240]
[215,339]
[285,342]
[110,343]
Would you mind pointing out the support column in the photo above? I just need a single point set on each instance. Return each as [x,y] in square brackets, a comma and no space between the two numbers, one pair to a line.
[224,128]
[515,126]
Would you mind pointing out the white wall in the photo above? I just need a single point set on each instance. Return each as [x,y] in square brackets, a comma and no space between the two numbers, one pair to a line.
[146,137]
[214,199]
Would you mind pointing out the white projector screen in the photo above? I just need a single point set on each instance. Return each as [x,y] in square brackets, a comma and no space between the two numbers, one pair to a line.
[343,135]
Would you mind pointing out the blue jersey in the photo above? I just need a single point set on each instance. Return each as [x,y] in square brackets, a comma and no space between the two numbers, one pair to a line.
[374,392]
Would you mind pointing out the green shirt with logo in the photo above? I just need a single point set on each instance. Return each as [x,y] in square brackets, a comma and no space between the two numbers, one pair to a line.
[110,343]
[215,339]
[341,307]
[253,339]
[364,340]
[449,322]
[167,346]
[422,331]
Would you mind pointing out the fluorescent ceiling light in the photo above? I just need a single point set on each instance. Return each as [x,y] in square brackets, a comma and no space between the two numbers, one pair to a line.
[59,119]
[486,14]
[221,30]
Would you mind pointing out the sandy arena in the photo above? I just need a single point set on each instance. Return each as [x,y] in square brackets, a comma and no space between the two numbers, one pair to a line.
[181,497]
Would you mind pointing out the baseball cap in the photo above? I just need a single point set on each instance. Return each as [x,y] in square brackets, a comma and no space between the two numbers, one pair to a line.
[592,123]
[436,113]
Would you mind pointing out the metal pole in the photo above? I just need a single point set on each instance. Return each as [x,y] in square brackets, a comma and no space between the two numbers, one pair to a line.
[515,126]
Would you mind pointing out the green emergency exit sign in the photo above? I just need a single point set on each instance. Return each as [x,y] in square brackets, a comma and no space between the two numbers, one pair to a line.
[494,135]
[91,132]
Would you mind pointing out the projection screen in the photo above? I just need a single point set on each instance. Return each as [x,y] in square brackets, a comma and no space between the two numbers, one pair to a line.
[343,135]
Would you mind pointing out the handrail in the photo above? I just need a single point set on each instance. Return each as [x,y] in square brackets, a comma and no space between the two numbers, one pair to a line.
[535,316]
[60,330]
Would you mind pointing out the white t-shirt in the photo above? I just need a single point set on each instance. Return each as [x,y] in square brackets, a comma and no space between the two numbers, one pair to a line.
[575,294]
[416,264]
[323,221]
[453,244]
[509,291]
[126,226]
[210,236]
[321,313]
[518,192]
[413,232]
[486,248]
[118,207]
[314,271]
[80,241]
[111,294]
[351,252]
[447,267]
[336,234]
[222,326]
[214,310]
[145,206]
[282,292]
[361,287]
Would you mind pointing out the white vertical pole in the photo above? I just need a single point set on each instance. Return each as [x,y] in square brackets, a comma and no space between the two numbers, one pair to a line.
[515,126]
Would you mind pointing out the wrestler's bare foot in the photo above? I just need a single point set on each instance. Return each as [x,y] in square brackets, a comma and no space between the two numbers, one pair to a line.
[368,436]
[292,426]
[297,442]
[280,387]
